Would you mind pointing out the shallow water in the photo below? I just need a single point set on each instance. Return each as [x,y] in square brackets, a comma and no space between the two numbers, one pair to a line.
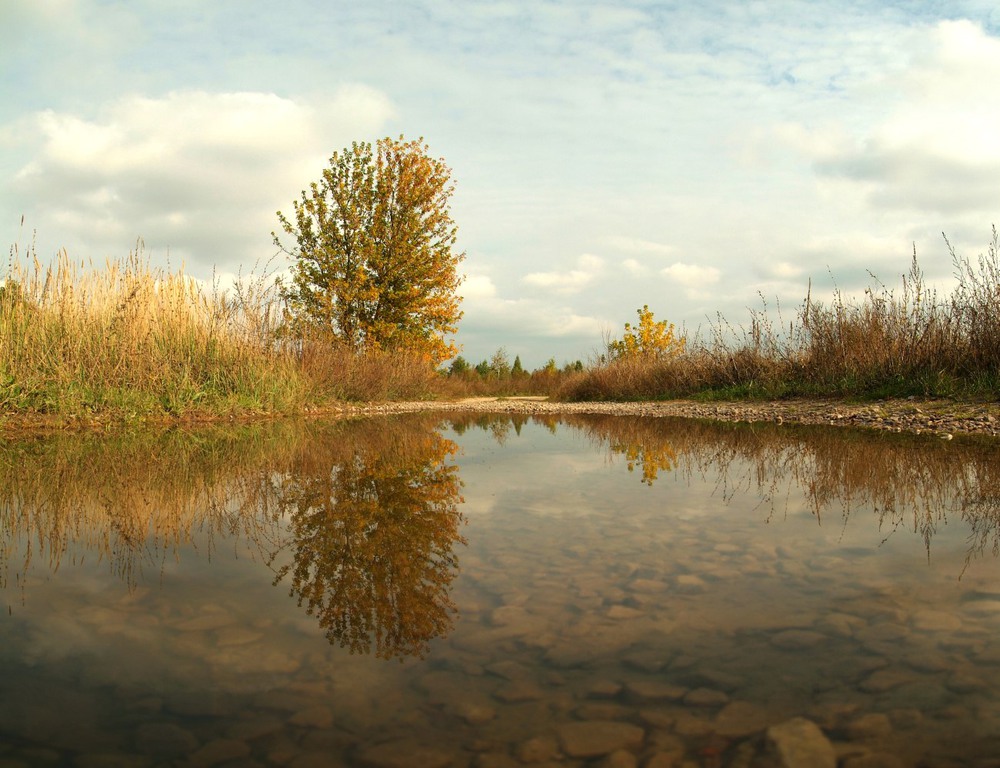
[488,591]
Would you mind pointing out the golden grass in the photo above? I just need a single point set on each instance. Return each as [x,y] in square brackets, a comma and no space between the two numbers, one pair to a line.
[891,342]
[130,340]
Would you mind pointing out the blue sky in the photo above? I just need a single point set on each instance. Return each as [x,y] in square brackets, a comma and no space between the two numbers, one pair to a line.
[689,156]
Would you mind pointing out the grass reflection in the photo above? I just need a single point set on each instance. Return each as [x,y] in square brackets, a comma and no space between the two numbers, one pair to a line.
[360,518]
[909,483]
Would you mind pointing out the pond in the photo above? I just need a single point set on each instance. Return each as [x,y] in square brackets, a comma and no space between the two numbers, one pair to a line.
[487,590]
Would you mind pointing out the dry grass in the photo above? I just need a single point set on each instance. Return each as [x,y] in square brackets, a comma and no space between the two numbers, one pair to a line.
[892,342]
[130,340]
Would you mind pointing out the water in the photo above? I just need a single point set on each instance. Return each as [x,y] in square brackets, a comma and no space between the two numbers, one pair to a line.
[483,591]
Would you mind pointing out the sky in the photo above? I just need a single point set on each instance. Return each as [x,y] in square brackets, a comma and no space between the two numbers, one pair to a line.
[703,158]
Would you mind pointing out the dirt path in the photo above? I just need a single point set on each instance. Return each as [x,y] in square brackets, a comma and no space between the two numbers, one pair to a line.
[940,417]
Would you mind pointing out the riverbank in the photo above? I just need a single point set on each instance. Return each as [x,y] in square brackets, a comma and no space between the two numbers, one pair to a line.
[943,418]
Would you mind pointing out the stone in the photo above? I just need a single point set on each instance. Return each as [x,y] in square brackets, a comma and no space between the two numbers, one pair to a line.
[968,681]
[620,758]
[538,749]
[873,760]
[313,717]
[255,728]
[841,624]
[906,718]
[740,718]
[473,712]
[874,725]
[686,724]
[936,621]
[404,753]
[106,761]
[508,670]
[662,760]
[517,691]
[604,689]
[651,690]
[495,760]
[219,751]
[596,738]
[799,743]
[647,586]
[164,740]
[706,697]
[236,636]
[601,710]
[207,621]
[623,612]
[885,680]
[689,584]
[797,639]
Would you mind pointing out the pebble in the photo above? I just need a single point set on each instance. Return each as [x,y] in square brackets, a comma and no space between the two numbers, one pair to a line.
[405,753]
[873,725]
[799,743]
[595,738]
[705,697]
[217,752]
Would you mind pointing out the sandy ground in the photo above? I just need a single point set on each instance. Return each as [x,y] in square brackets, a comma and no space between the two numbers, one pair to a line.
[944,418]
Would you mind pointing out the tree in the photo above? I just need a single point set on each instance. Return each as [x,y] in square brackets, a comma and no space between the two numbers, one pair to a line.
[649,340]
[459,367]
[374,265]
[517,370]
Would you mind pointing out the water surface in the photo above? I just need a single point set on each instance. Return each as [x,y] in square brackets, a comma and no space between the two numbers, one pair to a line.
[469,590]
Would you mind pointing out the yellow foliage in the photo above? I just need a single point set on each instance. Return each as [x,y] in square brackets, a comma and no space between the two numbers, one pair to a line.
[650,339]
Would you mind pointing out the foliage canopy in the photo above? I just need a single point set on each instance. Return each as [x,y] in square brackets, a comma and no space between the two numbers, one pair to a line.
[650,339]
[374,261]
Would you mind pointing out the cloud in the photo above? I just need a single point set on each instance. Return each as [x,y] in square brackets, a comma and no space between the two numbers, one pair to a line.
[574,281]
[638,246]
[195,172]
[477,287]
[633,267]
[936,150]
[691,275]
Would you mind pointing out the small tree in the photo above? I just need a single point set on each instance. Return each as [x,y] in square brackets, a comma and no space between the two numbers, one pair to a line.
[374,261]
[650,339]
[459,367]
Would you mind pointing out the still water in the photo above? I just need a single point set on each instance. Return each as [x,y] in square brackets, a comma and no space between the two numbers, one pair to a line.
[493,591]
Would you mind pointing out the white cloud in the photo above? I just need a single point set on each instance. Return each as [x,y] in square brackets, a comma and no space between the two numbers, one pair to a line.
[639,246]
[477,287]
[633,267]
[573,281]
[198,173]
[691,275]
[935,150]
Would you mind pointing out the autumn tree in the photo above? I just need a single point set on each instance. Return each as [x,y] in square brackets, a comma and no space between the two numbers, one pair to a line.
[375,265]
[650,339]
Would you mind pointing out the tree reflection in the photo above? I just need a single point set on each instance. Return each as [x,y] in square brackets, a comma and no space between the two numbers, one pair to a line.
[373,525]
[362,518]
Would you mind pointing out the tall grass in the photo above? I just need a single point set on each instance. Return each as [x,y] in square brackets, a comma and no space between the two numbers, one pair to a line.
[131,340]
[890,342]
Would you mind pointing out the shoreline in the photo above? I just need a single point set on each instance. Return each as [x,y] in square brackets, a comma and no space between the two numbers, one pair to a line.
[942,418]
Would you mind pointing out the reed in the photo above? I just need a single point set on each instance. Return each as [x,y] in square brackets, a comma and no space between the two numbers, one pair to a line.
[892,342]
[128,340]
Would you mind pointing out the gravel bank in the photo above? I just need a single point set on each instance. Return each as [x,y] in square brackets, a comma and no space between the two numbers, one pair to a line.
[944,418]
